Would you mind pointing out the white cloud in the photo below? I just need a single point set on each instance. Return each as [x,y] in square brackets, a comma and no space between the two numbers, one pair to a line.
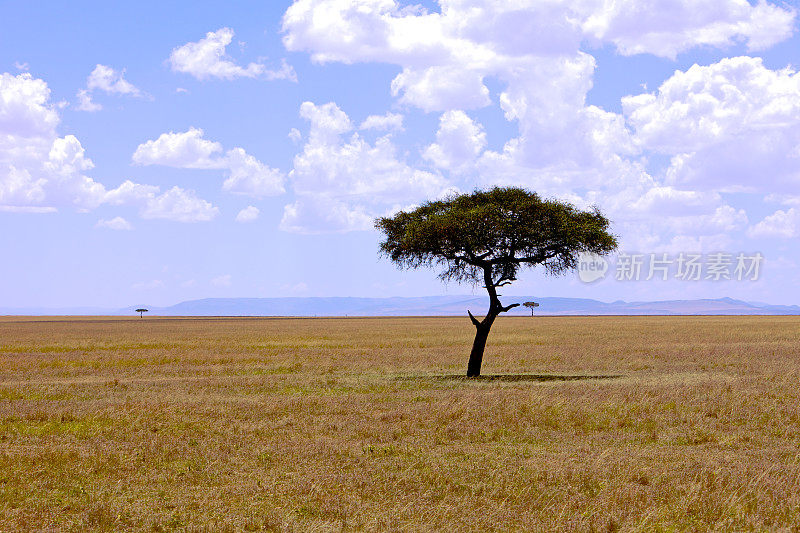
[40,171]
[109,80]
[667,201]
[332,165]
[342,183]
[38,168]
[387,122]
[116,223]
[328,122]
[322,214]
[726,124]
[85,102]
[25,109]
[206,58]
[130,192]
[780,224]
[441,87]
[250,176]
[27,209]
[222,281]
[104,78]
[285,72]
[180,150]
[668,27]
[785,199]
[446,56]
[295,135]
[179,205]
[459,142]
[248,214]
[189,149]
[565,148]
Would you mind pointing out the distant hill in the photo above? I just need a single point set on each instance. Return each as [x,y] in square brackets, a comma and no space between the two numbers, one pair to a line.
[457,305]
[426,305]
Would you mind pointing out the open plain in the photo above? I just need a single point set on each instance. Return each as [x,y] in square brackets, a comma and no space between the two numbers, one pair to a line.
[678,423]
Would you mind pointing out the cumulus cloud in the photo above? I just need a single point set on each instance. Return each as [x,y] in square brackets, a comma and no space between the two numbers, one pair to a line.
[726,124]
[780,224]
[534,51]
[441,87]
[25,109]
[41,171]
[180,205]
[446,56]
[668,27]
[295,135]
[250,176]
[341,182]
[248,214]
[106,79]
[387,122]
[666,201]
[180,150]
[37,167]
[116,223]
[285,72]
[459,141]
[189,149]
[207,58]
[322,214]
[85,102]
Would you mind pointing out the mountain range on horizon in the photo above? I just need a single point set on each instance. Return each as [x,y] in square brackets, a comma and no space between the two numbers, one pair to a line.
[451,305]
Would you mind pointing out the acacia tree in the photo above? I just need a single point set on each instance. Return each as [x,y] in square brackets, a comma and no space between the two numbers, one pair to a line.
[487,236]
[141,312]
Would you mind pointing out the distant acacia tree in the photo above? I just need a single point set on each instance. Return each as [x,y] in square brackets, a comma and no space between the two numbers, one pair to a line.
[487,236]
[531,306]
[141,312]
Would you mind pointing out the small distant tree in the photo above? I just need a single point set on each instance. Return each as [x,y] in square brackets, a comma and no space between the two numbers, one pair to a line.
[141,312]
[531,305]
[487,236]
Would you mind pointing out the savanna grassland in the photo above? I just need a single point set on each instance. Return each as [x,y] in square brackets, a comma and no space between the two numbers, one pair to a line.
[352,424]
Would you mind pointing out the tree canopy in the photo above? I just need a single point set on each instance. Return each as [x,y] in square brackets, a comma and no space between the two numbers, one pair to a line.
[502,229]
[488,236]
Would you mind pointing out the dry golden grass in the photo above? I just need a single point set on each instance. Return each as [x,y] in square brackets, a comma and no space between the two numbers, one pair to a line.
[344,424]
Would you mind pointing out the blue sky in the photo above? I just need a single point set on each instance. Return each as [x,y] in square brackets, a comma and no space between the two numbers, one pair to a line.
[153,153]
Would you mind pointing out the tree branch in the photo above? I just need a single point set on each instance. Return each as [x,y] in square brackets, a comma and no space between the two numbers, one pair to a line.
[474,320]
[508,308]
[504,280]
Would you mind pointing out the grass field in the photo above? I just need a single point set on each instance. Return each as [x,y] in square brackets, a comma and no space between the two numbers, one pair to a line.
[352,424]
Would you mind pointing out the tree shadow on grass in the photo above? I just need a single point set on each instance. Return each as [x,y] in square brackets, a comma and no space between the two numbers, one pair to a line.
[511,377]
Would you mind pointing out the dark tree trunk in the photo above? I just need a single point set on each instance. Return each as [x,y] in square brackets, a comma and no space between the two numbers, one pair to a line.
[482,327]
[476,355]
